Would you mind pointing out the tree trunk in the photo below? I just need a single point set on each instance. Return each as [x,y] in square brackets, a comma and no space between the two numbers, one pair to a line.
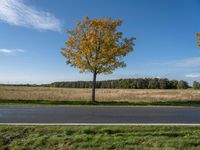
[94,86]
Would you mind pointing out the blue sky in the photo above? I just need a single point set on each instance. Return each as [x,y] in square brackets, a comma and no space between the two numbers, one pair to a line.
[32,32]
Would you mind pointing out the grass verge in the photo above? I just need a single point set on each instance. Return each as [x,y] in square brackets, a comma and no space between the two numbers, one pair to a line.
[99,137]
[47,102]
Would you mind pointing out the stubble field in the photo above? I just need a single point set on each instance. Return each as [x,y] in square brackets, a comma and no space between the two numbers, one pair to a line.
[102,95]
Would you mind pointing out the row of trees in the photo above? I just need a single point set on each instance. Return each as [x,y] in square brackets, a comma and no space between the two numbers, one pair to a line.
[147,83]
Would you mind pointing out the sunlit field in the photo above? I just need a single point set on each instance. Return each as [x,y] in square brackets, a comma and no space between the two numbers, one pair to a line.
[102,95]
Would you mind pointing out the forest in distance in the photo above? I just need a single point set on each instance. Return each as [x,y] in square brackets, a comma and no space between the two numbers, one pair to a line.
[140,83]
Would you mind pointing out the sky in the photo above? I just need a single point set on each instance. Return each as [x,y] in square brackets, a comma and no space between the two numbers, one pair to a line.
[32,33]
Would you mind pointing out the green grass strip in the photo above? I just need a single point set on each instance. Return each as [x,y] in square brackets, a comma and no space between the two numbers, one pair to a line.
[99,137]
[47,102]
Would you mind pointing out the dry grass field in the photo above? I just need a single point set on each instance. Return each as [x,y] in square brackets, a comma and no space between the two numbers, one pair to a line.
[117,95]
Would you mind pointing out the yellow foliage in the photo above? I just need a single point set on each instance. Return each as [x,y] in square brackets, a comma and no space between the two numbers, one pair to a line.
[96,46]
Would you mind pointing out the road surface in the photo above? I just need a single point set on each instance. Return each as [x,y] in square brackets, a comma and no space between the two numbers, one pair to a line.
[99,114]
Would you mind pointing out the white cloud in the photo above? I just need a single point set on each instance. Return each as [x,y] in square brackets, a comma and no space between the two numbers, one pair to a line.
[11,51]
[16,12]
[190,62]
[193,75]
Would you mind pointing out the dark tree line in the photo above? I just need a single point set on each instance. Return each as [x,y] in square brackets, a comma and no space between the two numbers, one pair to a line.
[147,83]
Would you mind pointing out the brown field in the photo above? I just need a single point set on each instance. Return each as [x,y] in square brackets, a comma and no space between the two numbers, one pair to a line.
[69,94]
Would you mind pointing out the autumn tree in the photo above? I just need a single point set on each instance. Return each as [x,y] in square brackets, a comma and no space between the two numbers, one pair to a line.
[96,46]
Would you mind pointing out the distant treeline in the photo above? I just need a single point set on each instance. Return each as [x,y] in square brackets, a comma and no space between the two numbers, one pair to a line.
[140,83]
[147,83]
[26,85]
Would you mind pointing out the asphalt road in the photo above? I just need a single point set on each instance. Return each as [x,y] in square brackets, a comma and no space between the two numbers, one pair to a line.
[99,114]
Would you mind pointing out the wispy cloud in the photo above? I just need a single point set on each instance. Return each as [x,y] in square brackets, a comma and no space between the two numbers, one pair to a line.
[193,75]
[16,12]
[11,51]
[190,62]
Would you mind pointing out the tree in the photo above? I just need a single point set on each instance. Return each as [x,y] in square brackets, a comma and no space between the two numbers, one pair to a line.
[96,46]
[164,83]
[196,85]
[182,85]
[173,84]
[141,83]
[154,84]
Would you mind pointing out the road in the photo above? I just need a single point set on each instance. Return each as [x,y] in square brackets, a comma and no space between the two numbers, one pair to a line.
[99,114]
